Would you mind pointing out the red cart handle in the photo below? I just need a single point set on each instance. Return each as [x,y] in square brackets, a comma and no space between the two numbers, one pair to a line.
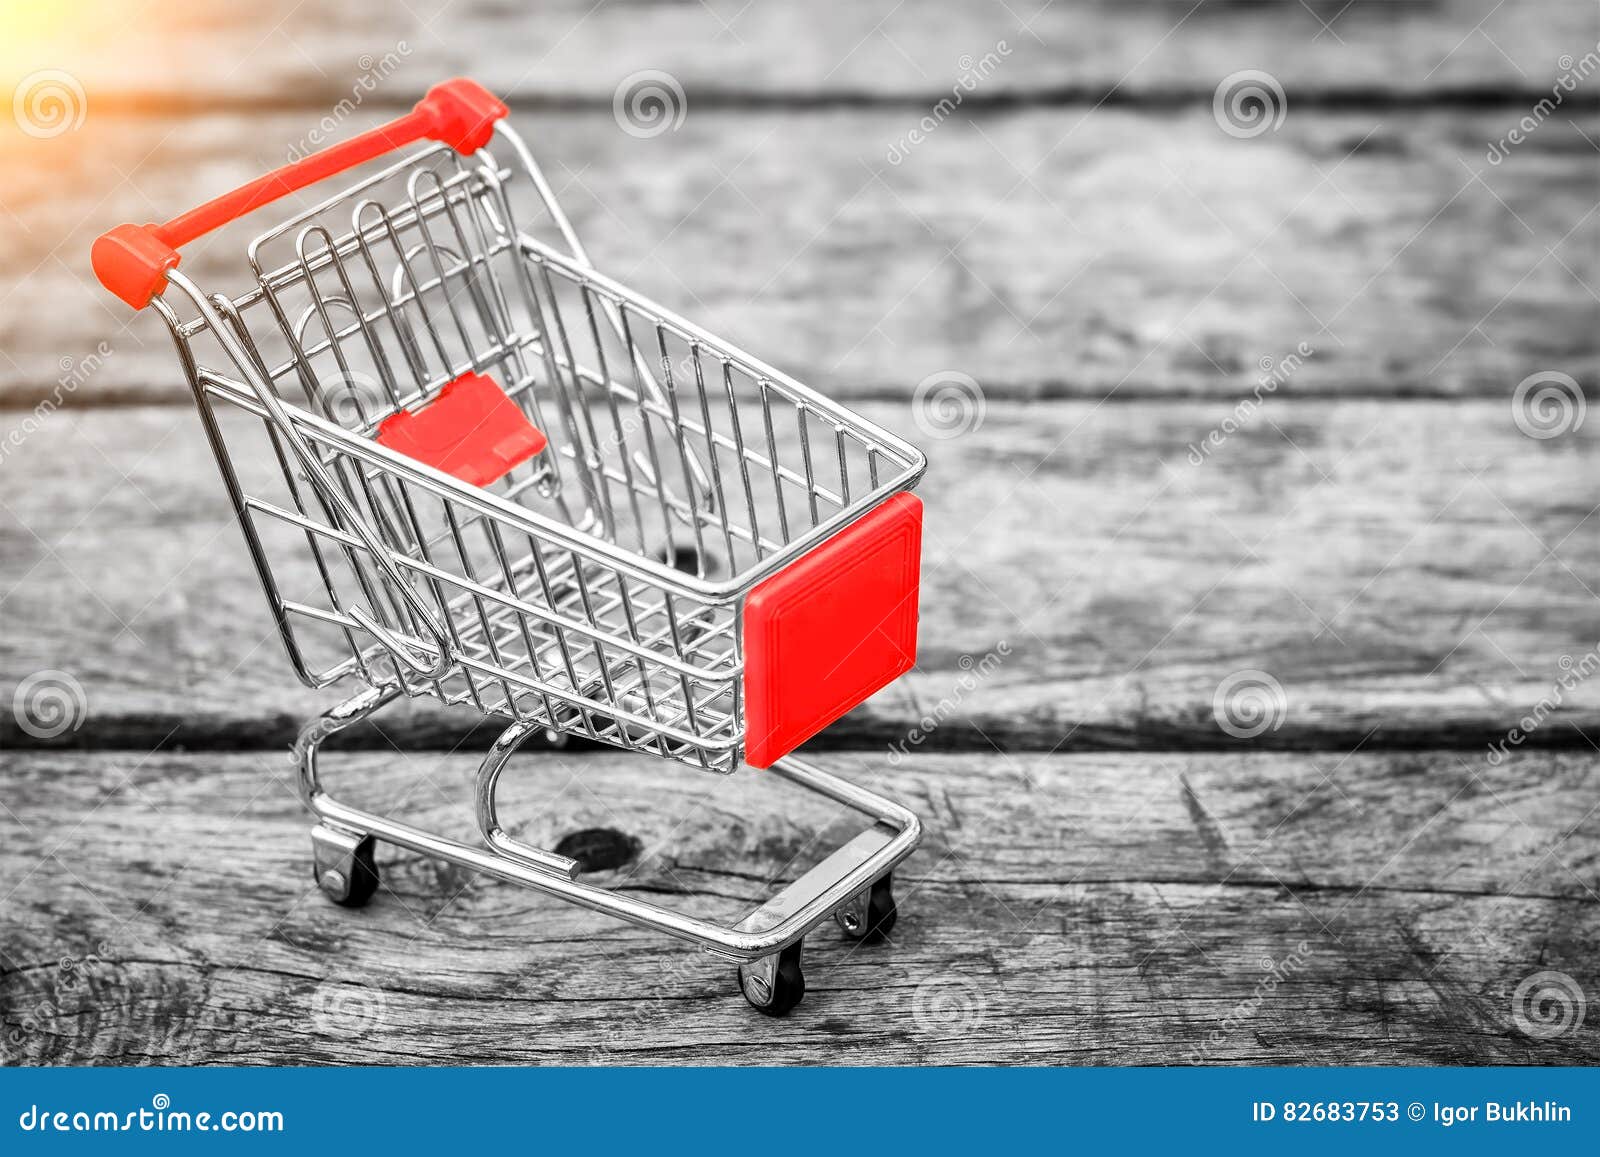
[132,260]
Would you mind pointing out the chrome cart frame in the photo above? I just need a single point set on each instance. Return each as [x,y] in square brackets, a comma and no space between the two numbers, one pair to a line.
[605,582]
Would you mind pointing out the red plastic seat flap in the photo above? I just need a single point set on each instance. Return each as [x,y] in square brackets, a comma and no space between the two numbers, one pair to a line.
[470,429]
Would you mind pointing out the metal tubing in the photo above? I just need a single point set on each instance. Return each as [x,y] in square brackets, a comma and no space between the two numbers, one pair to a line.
[798,909]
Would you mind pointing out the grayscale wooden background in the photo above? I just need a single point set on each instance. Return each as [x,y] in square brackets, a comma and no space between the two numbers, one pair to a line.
[1110,876]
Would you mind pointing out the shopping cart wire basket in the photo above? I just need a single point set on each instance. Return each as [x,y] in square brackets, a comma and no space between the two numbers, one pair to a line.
[470,466]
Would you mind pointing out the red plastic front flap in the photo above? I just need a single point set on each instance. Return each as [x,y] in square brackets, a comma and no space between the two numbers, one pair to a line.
[831,628]
[471,430]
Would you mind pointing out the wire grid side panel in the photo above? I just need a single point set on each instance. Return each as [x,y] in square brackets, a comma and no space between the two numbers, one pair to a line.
[666,445]
[680,443]
[378,299]
[544,632]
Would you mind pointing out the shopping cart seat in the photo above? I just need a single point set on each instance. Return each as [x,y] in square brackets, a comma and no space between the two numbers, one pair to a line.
[470,429]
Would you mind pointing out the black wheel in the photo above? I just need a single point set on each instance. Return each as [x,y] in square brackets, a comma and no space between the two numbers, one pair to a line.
[877,922]
[363,877]
[777,995]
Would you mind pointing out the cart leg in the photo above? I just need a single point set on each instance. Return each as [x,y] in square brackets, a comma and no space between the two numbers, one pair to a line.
[854,884]
[489,827]
[344,863]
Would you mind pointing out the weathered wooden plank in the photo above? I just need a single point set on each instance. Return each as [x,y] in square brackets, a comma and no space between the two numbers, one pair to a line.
[1043,253]
[729,50]
[1410,574]
[1092,909]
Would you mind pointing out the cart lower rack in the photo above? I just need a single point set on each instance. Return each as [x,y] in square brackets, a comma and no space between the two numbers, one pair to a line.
[469,466]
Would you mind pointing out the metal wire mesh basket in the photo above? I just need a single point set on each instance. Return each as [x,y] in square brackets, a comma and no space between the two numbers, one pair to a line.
[521,486]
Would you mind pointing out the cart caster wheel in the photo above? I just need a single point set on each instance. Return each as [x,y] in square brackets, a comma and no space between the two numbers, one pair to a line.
[774,984]
[869,916]
[345,866]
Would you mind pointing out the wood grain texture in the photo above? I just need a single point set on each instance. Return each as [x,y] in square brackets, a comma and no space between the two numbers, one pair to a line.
[1108,876]
[1085,909]
[1412,574]
[838,50]
[1043,253]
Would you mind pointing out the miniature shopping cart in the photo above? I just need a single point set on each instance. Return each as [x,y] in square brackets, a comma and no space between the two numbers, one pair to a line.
[469,466]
